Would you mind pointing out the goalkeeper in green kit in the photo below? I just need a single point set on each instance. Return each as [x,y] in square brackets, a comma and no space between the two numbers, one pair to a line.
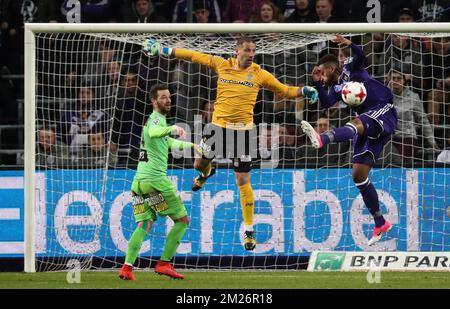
[152,192]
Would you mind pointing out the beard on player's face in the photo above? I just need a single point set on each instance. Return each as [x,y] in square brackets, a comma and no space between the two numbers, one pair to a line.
[330,76]
[162,106]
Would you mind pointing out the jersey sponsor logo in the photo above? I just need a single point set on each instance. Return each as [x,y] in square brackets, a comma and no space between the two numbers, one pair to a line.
[237,82]
[139,206]
[156,201]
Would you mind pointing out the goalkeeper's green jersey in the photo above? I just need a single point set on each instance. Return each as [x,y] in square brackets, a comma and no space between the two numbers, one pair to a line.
[155,145]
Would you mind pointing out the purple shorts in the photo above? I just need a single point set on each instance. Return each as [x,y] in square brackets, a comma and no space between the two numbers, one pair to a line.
[379,124]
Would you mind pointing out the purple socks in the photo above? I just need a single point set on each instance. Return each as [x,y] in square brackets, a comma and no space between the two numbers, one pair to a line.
[338,135]
[370,198]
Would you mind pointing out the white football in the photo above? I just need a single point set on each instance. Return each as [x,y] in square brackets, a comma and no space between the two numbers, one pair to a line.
[354,93]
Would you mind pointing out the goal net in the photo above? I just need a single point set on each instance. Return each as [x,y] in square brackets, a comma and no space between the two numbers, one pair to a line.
[91,102]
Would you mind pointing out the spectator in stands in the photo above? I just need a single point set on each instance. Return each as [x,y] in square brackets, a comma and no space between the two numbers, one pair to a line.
[50,151]
[411,116]
[240,10]
[142,11]
[78,121]
[437,66]
[205,11]
[290,67]
[432,10]
[324,9]
[130,113]
[71,82]
[286,7]
[330,154]
[302,13]
[338,114]
[111,83]
[96,154]
[404,53]
[267,143]
[94,72]
[288,141]
[207,111]
[13,16]
[267,12]
[406,15]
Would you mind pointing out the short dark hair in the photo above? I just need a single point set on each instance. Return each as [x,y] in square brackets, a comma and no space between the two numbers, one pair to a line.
[330,59]
[244,39]
[406,11]
[155,88]
[201,5]
[323,115]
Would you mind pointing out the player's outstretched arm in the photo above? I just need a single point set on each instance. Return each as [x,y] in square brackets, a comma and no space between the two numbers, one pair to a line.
[157,131]
[152,47]
[309,92]
[358,53]
[271,83]
[339,39]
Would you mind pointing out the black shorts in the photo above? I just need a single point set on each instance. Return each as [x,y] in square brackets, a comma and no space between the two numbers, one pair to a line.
[238,145]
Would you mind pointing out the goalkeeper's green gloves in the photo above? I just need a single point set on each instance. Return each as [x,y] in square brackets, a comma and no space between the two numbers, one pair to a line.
[310,93]
[153,48]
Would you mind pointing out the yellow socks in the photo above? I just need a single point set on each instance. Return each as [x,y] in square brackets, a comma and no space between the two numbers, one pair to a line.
[207,170]
[247,204]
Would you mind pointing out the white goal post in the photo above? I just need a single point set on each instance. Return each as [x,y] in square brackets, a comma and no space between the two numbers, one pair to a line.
[31,193]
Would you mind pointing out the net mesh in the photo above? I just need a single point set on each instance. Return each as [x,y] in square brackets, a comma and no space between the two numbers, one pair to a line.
[93,99]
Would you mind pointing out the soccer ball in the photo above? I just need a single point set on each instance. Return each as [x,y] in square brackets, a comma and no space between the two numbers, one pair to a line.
[354,93]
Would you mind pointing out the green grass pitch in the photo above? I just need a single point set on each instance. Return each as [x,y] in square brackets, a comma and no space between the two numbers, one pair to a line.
[228,280]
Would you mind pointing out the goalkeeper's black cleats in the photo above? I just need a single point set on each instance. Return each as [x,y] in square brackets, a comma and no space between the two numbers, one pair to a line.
[200,180]
[249,241]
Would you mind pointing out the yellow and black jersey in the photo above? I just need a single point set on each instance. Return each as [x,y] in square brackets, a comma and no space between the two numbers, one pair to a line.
[237,88]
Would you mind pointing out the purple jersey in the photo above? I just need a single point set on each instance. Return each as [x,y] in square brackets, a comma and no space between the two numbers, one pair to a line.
[378,95]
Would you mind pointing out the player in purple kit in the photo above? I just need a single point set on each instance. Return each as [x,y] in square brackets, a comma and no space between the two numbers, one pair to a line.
[371,129]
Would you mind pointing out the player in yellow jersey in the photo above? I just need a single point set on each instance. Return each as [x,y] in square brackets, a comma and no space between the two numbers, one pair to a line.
[231,132]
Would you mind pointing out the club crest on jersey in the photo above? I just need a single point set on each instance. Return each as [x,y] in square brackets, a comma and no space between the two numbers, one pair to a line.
[338,88]
[348,60]
[156,121]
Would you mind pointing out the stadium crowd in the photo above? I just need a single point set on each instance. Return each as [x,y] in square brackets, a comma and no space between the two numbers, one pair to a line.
[101,106]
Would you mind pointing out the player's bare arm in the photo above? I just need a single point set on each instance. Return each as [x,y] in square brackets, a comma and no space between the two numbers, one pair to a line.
[316,74]
[339,39]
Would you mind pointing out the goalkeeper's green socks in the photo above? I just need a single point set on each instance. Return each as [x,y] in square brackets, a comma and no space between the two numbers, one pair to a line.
[134,245]
[173,240]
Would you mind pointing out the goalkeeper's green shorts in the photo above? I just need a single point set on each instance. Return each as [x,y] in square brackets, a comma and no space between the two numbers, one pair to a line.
[152,198]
